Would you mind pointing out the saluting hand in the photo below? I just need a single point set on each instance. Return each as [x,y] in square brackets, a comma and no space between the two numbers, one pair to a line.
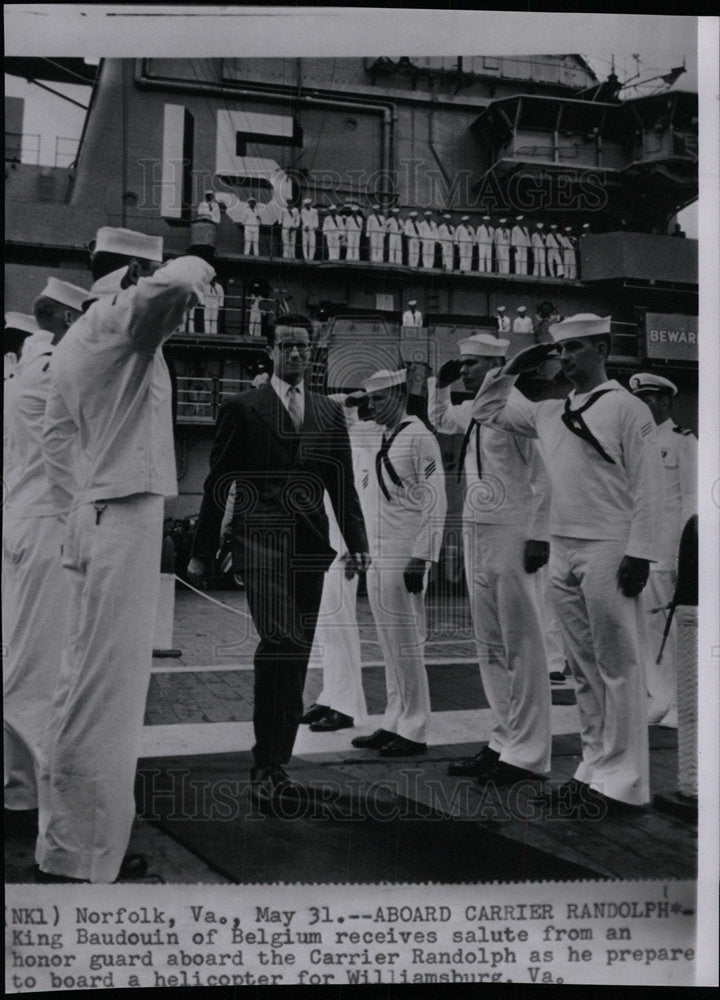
[449,373]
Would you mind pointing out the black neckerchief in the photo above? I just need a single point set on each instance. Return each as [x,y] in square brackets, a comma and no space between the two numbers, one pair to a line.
[464,448]
[382,458]
[575,422]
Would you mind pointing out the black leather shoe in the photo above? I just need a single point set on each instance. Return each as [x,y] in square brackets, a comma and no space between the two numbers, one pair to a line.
[20,822]
[576,800]
[508,774]
[475,767]
[373,742]
[270,787]
[314,714]
[557,677]
[400,747]
[331,722]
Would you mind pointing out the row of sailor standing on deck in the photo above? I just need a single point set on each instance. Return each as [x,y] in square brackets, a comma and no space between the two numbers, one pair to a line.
[425,239]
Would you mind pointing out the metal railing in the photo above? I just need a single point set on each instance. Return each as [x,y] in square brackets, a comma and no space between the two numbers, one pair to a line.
[65,150]
[199,398]
[22,147]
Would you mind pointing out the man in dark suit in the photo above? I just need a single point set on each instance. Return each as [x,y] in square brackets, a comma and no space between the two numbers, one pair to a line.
[283,447]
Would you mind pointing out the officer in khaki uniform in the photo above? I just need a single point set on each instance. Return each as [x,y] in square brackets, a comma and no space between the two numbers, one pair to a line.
[679,451]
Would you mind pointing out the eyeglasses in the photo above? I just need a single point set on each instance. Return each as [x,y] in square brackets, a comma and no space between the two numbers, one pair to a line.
[286,348]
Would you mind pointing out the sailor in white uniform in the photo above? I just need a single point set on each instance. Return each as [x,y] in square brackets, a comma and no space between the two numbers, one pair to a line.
[484,237]
[428,231]
[501,242]
[208,208]
[412,316]
[35,596]
[290,222]
[503,321]
[505,543]
[569,253]
[537,242]
[464,240]
[354,225]
[553,255]
[309,223]
[405,528]
[109,395]
[250,218]
[336,644]
[600,451]
[520,241]
[679,451]
[375,228]
[446,238]
[333,230]
[413,239]
[395,229]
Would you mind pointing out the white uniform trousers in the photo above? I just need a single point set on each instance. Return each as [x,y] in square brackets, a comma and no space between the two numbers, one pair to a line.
[551,626]
[352,244]
[428,253]
[502,255]
[35,600]
[333,245]
[570,264]
[538,262]
[485,257]
[336,646]
[252,239]
[308,244]
[448,254]
[600,629]
[465,253]
[413,251]
[87,805]
[377,247]
[661,677]
[520,260]
[395,248]
[211,319]
[506,623]
[288,242]
[554,263]
[401,626]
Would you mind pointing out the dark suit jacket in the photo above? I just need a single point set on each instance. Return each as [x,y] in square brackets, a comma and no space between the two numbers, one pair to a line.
[280,477]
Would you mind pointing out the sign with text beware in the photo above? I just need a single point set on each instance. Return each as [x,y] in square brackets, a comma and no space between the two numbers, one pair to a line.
[671,336]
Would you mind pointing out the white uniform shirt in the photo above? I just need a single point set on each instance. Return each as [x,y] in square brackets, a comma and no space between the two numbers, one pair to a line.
[412,318]
[552,241]
[353,223]
[249,216]
[28,487]
[375,223]
[591,499]
[513,488]
[309,218]
[209,210]
[501,237]
[427,229]
[290,218]
[393,225]
[333,224]
[411,228]
[484,234]
[412,521]
[679,451]
[520,236]
[445,232]
[522,324]
[110,388]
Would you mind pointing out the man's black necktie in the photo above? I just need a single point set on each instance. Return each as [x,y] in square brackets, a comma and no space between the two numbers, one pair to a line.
[464,447]
[575,422]
[382,459]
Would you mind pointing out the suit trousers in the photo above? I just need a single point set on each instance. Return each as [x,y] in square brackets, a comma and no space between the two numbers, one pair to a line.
[87,806]
[661,677]
[400,622]
[283,595]
[506,621]
[36,601]
[600,629]
[336,647]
